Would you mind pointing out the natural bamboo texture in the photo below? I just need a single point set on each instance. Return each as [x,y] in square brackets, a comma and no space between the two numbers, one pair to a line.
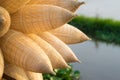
[60,46]
[4,21]
[3,79]
[34,76]
[20,50]
[56,59]
[13,5]
[71,5]
[39,18]
[1,64]
[69,34]
[15,72]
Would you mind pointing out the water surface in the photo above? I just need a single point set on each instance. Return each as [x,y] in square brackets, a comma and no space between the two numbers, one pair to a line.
[100,61]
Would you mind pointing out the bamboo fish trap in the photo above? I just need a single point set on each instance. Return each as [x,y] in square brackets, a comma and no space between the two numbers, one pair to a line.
[15,72]
[13,5]
[33,37]
[69,34]
[43,18]
[71,5]
[20,50]
[1,64]
[34,76]
[4,21]
[56,59]
[60,46]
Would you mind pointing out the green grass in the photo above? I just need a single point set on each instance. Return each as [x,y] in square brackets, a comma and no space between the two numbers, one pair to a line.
[63,74]
[101,29]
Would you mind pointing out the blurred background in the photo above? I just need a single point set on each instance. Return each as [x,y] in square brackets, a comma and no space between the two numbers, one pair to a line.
[101,8]
[101,56]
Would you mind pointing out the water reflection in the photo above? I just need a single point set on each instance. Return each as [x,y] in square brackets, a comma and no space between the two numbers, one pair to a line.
[100,61]
[97,42]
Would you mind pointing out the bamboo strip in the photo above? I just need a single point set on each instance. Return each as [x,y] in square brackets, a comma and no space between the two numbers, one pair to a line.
[1,64]
[15,72]
[55,58]
[71,5]
[60,46]
[13,5]
[4,21]
[20,50]
[39,18]
[69,34]
[34,76]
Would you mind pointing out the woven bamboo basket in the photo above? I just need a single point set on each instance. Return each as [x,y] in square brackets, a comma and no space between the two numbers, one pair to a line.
[56,59]
[13,5]
[34,76]
[71,5]
[33,37]
[43,18]
[4,21]
[69,34]
[15,72]
[60,46]
[1,64]
[20,50]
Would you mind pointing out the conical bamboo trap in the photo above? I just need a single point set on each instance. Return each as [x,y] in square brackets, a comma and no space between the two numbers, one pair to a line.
[48,16]
[58,62]
[15,72]
[13,5]
[4,21]
[60,46]
[1,64]
[34,76]
[69,34]
[71,5]
[33,37]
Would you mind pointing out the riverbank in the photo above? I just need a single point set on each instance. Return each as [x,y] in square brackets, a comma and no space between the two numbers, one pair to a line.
[97,28]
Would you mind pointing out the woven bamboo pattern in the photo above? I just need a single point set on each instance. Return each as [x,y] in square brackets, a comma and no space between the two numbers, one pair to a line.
[72,5]
[34,76]
[43,18]
[60,46]
[1,64]
[56,59]
[13,5]
[33,37]
[69,34]
[15,72]
[17,47]
[4,21]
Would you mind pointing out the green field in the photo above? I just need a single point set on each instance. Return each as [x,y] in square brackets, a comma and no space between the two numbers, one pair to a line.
[97,28]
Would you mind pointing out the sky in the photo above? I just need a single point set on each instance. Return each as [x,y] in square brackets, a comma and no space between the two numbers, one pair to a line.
[101,8]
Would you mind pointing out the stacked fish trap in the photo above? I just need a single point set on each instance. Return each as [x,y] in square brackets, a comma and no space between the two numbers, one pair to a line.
[33,37]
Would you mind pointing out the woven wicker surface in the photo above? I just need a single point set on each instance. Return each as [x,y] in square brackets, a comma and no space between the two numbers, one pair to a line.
[4,21]
[24,52]
[15,72]
[34,44]
[72,5]
[43,18]
[34,76]
[13,5]
[55,58]
[69,34]
[60,46]
[1,64]
[34,1]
